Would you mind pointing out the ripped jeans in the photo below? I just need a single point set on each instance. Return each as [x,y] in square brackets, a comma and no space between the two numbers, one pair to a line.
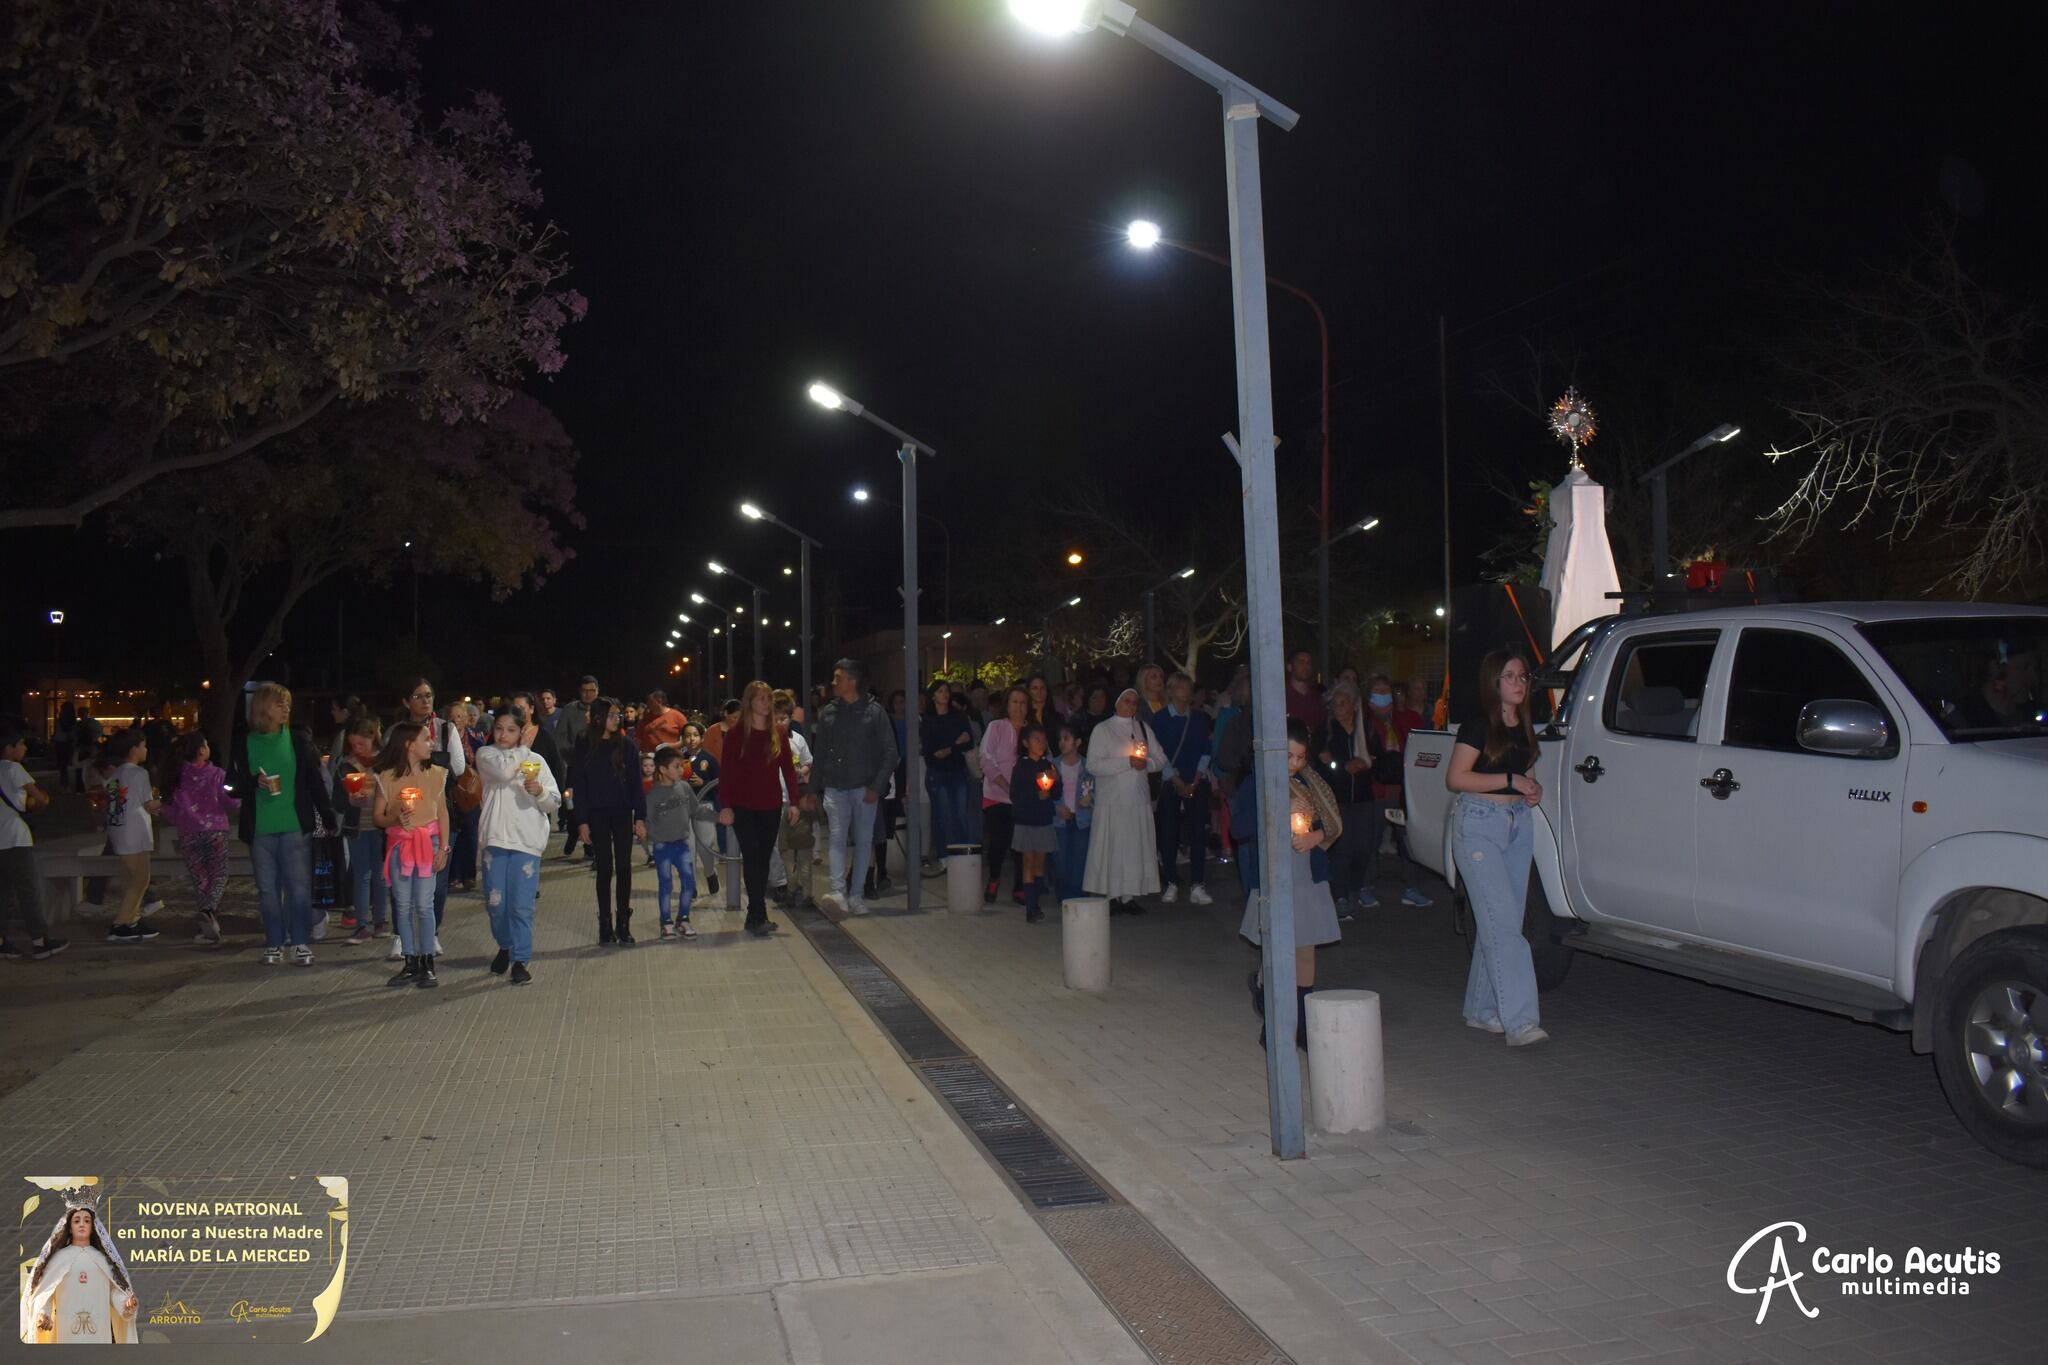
[1493,843]
[511,881]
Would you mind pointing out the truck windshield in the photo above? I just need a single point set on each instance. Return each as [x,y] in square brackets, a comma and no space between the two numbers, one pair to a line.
[1979,678]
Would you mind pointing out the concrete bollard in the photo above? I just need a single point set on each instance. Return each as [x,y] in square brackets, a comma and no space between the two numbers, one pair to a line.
[732,872]
[963,879]
[1084,941]
[1346,1067]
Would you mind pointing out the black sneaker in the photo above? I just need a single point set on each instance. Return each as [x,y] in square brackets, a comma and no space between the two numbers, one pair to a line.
[520,976]
[501,962]
[43,949]
[626,940]
[427,977]
[713,879]
[1032,914]
[761,930]
[12,951]
[124,933]
[145,928]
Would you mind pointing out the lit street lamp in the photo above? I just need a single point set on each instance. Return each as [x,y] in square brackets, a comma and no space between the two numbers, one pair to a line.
[805,545]
[56,643]
[1145,236]
[862,495]
[1243,105]
[1151,631]
[701,600]
[1660,516]
[760,593]
[908,448]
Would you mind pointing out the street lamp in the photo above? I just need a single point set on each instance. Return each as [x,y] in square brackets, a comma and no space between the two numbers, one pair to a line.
[805,544]
[1660,522]
[759,594]
[56,643]
[860,494]
[701,600]
[1144,236]
[908,448]
[1151,633]
[1243,106]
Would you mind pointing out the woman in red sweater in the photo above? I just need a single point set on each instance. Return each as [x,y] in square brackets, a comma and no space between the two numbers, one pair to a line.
[750,781]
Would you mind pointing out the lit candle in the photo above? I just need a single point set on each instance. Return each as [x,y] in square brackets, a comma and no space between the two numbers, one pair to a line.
[410,796]
[355,779]
[1137,751]
[530,768]
[1300,821]
[1045,782]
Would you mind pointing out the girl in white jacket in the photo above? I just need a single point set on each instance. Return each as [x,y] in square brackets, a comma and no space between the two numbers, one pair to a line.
[520,800]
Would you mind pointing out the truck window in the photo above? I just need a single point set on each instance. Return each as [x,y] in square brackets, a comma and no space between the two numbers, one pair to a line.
[1657,684]
[1777,672]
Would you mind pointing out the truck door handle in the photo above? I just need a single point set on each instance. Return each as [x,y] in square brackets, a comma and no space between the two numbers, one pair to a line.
[1590,769]
[1721,783]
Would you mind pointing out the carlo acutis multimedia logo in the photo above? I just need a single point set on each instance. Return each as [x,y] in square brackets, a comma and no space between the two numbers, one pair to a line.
[1868,1273]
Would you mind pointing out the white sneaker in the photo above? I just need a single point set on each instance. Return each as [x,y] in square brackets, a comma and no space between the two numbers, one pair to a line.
[1170,894]
[1485,1025]
[1199,895]
[832,903]
[272,956]
[320,923]
[397,953]
[302,955]
[1527,1037]
[437,945]
[856,907]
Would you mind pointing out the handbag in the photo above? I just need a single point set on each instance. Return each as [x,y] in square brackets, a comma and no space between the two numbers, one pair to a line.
[465,793]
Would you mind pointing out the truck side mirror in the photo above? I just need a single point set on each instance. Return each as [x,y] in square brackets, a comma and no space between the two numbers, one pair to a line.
[1848,729]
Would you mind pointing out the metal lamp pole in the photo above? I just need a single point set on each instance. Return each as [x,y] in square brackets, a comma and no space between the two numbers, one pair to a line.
[861,494]
[1660,515]
[730,669]
[1243,106]
[1151,629]
[908,448]
[759,593]
[1146,240]
[805,545]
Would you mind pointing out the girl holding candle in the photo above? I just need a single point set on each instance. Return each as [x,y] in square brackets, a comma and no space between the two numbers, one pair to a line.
[1123,854]
[1034,797]
[1314,823]
[999,750]
[1075,813]
[410,805]
[354,788]
[520,801]
[198,806]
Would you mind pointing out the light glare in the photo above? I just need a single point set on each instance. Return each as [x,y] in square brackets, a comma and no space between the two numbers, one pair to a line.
[1143,235]
[751,512]
[1054,17]
[824,395]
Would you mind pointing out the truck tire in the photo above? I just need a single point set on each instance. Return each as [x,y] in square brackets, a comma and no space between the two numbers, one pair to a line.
[1553,960]
[1991,1042]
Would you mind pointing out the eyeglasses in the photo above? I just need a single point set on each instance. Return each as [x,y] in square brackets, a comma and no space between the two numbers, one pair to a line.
[422,696]
[1514,677]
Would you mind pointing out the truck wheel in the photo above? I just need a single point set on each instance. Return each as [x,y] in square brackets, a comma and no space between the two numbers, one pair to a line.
[1991,1042]
[1553,960]
[1540,927]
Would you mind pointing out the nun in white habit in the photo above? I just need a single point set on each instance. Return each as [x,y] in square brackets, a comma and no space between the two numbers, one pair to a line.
[1123,853]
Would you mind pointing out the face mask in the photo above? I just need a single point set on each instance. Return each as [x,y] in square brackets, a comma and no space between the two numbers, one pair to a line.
[1382,699]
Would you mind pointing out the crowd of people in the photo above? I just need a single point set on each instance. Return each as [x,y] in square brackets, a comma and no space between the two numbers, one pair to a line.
[1122,787]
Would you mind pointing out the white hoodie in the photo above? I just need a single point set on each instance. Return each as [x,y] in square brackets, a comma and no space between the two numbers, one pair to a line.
[511,818]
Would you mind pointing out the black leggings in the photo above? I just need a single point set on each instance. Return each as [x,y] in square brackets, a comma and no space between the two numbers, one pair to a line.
[756,831]
[611,838]
[997,822]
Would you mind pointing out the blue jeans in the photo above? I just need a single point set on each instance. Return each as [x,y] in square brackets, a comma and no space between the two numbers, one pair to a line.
[283,865]
[1071,860]
[673,861]
[365,865]
[511,881]
[950,793]
[849,815]
[1493,845]
[412,906]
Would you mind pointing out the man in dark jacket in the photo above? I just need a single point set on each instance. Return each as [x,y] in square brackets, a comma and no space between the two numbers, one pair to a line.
[853,755]
[570,731]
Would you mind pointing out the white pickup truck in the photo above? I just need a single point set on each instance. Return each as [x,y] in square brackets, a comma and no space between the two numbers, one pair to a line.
[1840,805]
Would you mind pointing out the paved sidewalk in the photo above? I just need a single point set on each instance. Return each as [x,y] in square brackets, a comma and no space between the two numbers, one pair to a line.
[1578,1202]
[668,1144]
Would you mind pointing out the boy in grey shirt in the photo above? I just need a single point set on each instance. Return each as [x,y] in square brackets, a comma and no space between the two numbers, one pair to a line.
[672,808]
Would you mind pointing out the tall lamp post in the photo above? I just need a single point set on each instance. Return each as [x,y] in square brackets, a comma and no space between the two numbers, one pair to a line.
[1145,236]
[701,600]
[709,673]
[908,448]
[56,644]
[1151,624]
[1243,106]
[760,595]
[805,545]
[861,494]
[1660,514]
[1045,653]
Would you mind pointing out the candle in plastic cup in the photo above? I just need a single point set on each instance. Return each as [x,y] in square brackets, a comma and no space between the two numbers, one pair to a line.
[410,796]
[1300,821]
[530,768]
[1045,782]
[355,780]
[1138,751]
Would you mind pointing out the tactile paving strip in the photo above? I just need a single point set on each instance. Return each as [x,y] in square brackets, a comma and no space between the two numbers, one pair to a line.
[1170,1307]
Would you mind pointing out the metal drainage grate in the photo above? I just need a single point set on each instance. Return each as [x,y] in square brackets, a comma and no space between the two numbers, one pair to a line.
[1049,1178]
[901,1017]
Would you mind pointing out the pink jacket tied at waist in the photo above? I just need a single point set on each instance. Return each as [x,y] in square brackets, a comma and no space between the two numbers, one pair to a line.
[414,847]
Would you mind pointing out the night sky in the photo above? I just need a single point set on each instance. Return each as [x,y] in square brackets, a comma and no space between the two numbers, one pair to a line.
[923,203]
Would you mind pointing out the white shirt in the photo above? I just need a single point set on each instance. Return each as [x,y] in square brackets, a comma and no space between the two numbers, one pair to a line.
[800,757]
[15,782]
[129,828]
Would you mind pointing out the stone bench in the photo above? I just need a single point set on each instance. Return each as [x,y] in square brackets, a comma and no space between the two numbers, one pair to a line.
[64,867]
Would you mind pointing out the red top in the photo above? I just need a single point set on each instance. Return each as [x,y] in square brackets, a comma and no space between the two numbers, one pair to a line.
[748,772]
[666,728]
